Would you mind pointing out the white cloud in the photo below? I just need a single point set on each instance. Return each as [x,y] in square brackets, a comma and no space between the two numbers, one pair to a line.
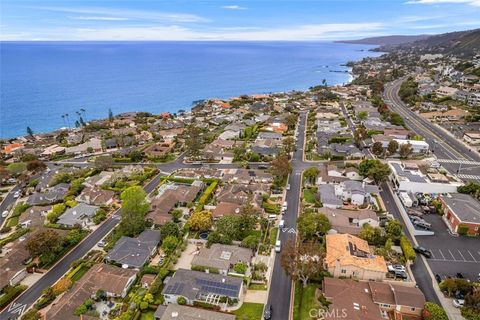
[95,18]
[174,32]
[470,2]
[234,7]
[128,14]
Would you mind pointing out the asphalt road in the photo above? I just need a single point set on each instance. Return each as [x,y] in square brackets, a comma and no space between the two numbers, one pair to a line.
[7,202]
[442,144]
[28,297]
[422,277]
[279,296]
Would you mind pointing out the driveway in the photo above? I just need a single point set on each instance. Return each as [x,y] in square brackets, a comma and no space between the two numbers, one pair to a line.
[185,260]
[451,254]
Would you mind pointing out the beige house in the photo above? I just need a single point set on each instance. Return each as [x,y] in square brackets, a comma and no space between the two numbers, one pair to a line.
[350,257]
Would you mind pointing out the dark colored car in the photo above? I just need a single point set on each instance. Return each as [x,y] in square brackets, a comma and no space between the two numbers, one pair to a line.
[423,251]
[460,275]
[401,275]
[438,278]
[267,314]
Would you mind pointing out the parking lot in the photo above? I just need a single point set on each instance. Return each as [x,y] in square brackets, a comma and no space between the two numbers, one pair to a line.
[451,254]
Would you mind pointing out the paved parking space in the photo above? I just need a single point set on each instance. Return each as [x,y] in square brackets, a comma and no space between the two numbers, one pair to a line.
[455,255]
[451,254]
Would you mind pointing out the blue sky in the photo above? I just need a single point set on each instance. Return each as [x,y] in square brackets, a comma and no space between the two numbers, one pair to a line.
[231,20]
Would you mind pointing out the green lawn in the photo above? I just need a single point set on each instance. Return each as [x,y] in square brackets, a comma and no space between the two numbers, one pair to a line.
[305,301]
[273,235]
[309,195]
[13,221]
[79,274]
[255,286]
[147,315]
[249,311]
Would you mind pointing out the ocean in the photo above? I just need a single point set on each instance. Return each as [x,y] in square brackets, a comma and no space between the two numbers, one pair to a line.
[41,81]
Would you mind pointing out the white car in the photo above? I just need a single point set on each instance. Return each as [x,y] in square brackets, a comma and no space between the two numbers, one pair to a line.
[396,267]
[458,303]
[278,246]
[288,186]
[16,194]
[5,214]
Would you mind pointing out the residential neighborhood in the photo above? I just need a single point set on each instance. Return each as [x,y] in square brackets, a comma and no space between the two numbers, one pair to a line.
[361,197]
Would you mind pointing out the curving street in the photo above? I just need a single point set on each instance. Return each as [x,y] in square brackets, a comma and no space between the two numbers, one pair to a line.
[442,144]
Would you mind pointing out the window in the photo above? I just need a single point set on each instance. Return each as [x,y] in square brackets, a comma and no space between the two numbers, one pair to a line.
[412,309]
[343,271]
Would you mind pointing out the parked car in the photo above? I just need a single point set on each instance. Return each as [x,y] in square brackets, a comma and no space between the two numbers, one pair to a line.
[5,214]
[422,224]
[262,166]
[460,275]
[395,267]
[267,314]
[101,244]
[414,213]
[458,303]
[278,246]
[438,278]
[401,274]
[16,194]
[288,186]
[423,251]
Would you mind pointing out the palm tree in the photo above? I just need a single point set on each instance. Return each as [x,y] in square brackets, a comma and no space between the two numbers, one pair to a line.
[63,118]
[82,110]
[68,119]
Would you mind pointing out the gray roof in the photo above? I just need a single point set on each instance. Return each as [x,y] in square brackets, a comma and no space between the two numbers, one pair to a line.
[327,195]
[222,256]
[466,207]
[270,135]
[179,312]
[265,150]
[134,252]
[76,215]
[52,195]
[407,174]
[195,284]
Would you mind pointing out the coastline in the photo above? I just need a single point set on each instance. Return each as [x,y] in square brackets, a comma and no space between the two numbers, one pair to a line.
[312,78]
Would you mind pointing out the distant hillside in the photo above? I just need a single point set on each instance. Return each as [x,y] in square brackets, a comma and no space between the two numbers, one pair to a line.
[461,43]
[388,40]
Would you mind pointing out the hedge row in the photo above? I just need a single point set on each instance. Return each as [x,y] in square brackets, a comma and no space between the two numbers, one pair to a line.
[11,294]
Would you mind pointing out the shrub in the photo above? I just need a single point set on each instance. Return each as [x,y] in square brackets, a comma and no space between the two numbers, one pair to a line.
[470,314]
[407,249]
[433,311]
[208,192]
[240,268]
[10,294]
[462,230]
[181,301]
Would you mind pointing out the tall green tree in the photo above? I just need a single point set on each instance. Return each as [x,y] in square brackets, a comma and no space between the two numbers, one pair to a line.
[193,140]
[312,225]
[42,242]
[405,150]
[377,148]
[134,208]
[311,174]
[392,147]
